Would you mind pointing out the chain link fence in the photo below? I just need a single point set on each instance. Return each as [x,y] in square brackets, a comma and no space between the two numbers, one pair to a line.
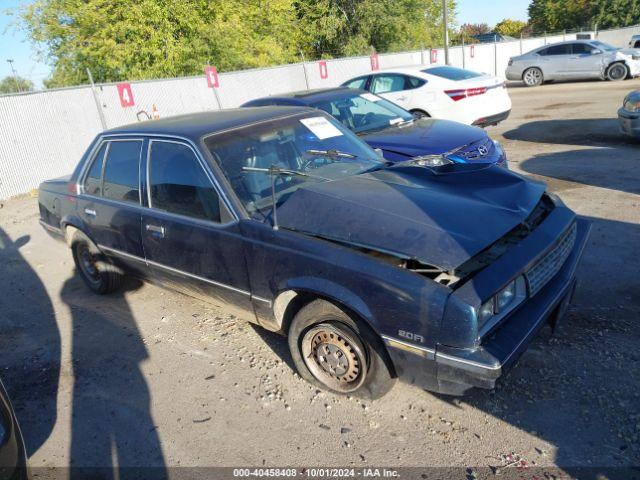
[45,133]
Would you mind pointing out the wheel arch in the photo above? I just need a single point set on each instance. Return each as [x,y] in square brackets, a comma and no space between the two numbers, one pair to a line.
[621,60]
[291,300]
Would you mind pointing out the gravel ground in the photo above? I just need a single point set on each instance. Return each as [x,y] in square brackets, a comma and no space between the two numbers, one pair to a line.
[149,377]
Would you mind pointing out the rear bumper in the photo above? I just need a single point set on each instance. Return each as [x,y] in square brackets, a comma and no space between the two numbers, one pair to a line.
[492,119]
[629,122]
[455,371]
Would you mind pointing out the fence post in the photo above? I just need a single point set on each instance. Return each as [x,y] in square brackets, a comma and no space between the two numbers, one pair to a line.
[545,38]
[421,54]
[520,43]
[463,55]
[103,121]
[304,70]
[495,55]
[564,35]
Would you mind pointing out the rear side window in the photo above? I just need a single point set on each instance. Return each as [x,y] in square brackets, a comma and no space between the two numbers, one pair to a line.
[452,73]
[356,83]
[178,183]
[388,83]
[413,82]
[121,172]
[94,177]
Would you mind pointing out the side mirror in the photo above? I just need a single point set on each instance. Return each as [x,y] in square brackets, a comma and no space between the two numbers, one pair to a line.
[596,51]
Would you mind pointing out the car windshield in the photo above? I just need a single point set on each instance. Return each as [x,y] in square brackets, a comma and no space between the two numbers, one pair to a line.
[452,73]
[603,46]
[365,112]
[306,148]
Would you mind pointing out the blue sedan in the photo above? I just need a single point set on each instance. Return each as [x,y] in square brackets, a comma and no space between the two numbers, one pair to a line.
[400,136]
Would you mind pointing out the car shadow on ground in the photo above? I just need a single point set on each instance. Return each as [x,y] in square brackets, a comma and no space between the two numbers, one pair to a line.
[612,168]
[113,434]
[582,132]
[30,342]
[277,343]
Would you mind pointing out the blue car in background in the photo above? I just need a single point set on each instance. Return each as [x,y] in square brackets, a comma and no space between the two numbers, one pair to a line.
[393,130]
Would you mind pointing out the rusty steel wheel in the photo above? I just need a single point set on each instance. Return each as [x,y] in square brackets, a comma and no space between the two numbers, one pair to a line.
[335,356]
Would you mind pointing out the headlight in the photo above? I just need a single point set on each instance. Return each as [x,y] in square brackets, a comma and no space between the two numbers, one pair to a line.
[631,105]
[502,302]
[431,160]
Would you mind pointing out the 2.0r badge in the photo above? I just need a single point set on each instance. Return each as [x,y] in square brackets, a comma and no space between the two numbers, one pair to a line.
[411,336]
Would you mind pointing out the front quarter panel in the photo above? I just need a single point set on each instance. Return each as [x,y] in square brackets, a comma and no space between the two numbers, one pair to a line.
[389,298]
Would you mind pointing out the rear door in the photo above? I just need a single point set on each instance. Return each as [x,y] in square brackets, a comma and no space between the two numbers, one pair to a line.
[191,240]
[555,61]
[392,86]
[109,200]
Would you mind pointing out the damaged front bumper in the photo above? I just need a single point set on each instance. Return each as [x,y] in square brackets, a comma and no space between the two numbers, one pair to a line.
[455,371]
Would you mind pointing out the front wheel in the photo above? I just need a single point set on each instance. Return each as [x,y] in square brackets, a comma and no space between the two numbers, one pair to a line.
[532,77]
[337,352]
[617,71]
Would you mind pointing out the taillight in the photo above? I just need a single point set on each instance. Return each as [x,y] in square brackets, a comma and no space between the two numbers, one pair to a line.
[456,95]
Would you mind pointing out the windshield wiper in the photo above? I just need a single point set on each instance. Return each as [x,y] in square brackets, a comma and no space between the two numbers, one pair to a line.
[332,153]
[274,171]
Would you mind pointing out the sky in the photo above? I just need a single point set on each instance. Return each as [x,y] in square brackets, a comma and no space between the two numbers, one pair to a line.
[14,45]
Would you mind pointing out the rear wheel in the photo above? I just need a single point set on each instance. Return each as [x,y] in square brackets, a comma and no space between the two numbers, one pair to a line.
[532,77]
[617,71]
[337,352]
[100,275]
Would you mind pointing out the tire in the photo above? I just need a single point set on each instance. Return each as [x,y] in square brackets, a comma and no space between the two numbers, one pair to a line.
[355,360]
[532,77]
[617,71]
[417,113]
[98,273]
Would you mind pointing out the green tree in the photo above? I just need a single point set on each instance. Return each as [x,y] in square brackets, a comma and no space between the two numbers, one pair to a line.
[509,27]
[351,27]
[554,15]
[467,31]
[139,39]
[11,84]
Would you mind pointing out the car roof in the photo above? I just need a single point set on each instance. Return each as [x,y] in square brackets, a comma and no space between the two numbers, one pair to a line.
[195,125]
[310,97]
[565,42]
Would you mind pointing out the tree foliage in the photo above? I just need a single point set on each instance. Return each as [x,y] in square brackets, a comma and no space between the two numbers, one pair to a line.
[555,15]
[467,31]
[11,84]
[509,27]
[139,39]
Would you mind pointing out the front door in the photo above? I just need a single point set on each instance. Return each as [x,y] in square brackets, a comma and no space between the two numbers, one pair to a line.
[583,63]
[190,240]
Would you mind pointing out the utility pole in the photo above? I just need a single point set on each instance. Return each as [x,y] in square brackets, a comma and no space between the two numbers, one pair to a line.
[446,32]
[15,74]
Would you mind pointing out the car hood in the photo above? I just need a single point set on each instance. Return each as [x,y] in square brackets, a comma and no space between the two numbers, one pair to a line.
[440,219]
[425,136]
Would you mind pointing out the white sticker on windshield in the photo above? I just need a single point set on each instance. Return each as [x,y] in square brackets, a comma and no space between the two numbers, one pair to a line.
[395,121]
[321,127]
[370,96]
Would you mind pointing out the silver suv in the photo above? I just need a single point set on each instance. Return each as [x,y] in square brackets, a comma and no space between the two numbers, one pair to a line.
[574,60]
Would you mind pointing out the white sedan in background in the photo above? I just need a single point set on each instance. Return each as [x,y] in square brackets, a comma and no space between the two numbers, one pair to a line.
[441,92]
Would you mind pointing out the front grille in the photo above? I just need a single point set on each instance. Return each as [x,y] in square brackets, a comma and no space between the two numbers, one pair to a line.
[546,268]
[476,150]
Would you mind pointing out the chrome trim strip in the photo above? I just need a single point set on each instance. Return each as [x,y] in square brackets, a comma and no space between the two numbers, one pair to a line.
[174,270]
[122,254]
[468,362]
[51,228]
[260,299]
[423,351]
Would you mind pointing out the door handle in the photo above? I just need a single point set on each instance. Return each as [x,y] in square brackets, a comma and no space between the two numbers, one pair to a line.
[155,230]
[90,212]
